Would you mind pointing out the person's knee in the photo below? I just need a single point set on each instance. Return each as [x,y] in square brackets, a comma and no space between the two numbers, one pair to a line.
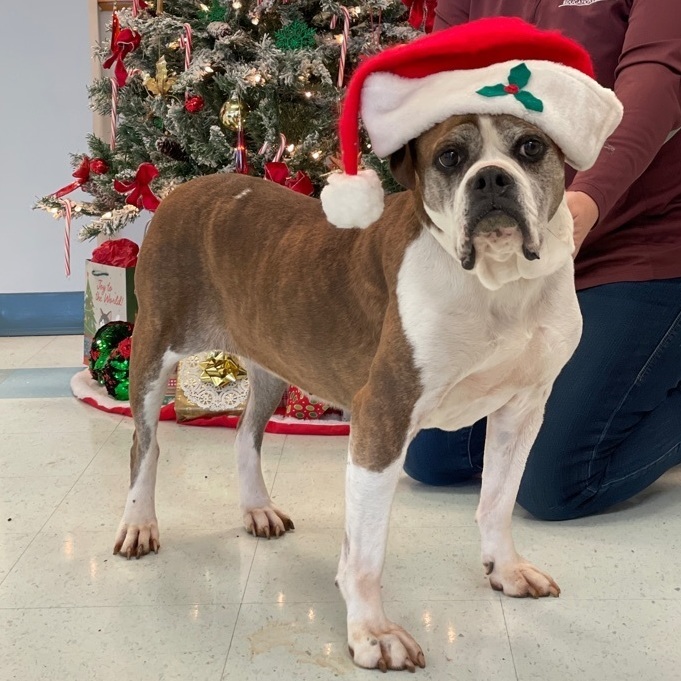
[551,499]
[437,457]
[434,477]
[548,506]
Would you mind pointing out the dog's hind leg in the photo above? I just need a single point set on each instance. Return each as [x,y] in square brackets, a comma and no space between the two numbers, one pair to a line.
[261,518]
[150,367]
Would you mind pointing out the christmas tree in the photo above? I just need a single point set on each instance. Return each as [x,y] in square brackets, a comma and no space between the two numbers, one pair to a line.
[90,323]
[250,86]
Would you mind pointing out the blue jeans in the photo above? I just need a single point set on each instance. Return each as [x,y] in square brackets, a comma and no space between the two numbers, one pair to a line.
[613,421]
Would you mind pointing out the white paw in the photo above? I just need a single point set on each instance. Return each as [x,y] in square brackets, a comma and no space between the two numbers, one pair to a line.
[384,647]
[522,579]
[137,539]
[267,521]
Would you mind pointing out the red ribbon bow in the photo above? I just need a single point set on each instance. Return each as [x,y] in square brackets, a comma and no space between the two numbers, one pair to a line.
[140,193]
[82,175]
[418,9]
[278,172]
[123,42]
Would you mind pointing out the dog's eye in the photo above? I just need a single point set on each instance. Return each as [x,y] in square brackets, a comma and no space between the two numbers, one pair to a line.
[532,149]
[449,159]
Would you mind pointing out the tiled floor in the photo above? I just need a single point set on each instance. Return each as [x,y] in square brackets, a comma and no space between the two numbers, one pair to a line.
[217,604]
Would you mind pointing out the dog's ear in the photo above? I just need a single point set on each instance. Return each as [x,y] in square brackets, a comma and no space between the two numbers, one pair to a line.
[402,165]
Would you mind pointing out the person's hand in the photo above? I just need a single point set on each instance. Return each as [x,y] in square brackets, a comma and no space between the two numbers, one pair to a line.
[584,214]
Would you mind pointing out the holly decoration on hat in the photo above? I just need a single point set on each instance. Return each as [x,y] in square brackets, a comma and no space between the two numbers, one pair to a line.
[518,78]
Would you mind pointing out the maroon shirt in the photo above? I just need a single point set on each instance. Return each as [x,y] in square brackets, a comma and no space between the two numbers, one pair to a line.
[636,182]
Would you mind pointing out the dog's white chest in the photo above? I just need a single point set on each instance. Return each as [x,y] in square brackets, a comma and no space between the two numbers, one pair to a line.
[457,402]
[474,354]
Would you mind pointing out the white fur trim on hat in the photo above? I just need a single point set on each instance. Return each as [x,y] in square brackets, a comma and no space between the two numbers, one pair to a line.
[578,115]
[353,200]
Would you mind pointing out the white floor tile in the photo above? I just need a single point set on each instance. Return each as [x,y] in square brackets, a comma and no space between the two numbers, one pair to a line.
[627,640]
[306,641]
[45,453]
[151,643]
[12,545]
[61,351]
[26,503]
[314,453]
[591,560]
[437,565]
[418,505]
[57,415]
[78,570]
[14,351]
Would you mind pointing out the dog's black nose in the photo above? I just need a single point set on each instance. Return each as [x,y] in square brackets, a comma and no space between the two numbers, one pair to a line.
[491,181]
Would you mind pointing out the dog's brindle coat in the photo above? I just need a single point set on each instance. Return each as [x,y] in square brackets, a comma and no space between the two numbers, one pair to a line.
[384,321]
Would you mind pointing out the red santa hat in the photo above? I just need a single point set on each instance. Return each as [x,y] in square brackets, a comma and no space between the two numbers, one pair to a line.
[491,66]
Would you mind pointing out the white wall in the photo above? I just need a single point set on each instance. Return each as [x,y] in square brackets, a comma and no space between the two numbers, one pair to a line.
[45,66]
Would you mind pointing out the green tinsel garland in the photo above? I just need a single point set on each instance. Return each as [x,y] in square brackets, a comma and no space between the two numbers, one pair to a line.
[295,36]
[216,12]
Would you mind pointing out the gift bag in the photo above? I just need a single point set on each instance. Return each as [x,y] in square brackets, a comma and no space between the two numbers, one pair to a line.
[109,297]
[109,288]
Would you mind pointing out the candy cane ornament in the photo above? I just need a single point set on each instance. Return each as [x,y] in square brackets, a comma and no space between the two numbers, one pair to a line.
[344,45]
[282,147]
[114,113]
[186,45]
[67,235]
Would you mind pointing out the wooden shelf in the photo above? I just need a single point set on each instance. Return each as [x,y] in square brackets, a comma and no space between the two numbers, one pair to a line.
[108,5]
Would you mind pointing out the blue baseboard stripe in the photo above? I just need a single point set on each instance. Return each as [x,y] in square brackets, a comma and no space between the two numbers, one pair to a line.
[41,314]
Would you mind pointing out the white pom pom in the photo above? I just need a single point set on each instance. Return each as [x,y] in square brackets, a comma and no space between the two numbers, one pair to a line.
[353,200]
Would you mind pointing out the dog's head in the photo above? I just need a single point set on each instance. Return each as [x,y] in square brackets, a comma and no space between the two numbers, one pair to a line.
[492,192]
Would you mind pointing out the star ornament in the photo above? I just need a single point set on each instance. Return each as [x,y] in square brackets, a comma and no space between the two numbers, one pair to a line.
[518,78]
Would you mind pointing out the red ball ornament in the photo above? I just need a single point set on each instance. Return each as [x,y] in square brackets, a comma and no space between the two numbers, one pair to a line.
[99,166]
[194,104]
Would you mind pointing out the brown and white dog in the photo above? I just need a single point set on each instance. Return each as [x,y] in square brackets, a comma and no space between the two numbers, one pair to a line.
[459,303]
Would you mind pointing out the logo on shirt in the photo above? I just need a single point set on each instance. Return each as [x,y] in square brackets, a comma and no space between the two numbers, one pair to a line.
[578,3]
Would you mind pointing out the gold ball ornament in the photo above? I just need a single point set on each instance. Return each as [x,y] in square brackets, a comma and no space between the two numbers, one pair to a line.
[231,114]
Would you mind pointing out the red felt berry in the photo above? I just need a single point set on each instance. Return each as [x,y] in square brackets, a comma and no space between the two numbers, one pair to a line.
[194,104]
[99,166]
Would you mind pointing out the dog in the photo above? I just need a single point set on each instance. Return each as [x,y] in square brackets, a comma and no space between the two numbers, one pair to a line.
[457,304]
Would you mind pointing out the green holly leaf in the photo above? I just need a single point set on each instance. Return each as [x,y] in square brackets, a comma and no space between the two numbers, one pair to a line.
[529,101]
[493,90]
[519,75]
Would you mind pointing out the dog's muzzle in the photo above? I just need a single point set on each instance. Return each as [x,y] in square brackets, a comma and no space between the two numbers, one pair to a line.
[493,205]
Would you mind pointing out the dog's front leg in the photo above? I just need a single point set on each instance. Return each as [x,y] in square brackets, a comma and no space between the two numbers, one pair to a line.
[511,432]
[377,448]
